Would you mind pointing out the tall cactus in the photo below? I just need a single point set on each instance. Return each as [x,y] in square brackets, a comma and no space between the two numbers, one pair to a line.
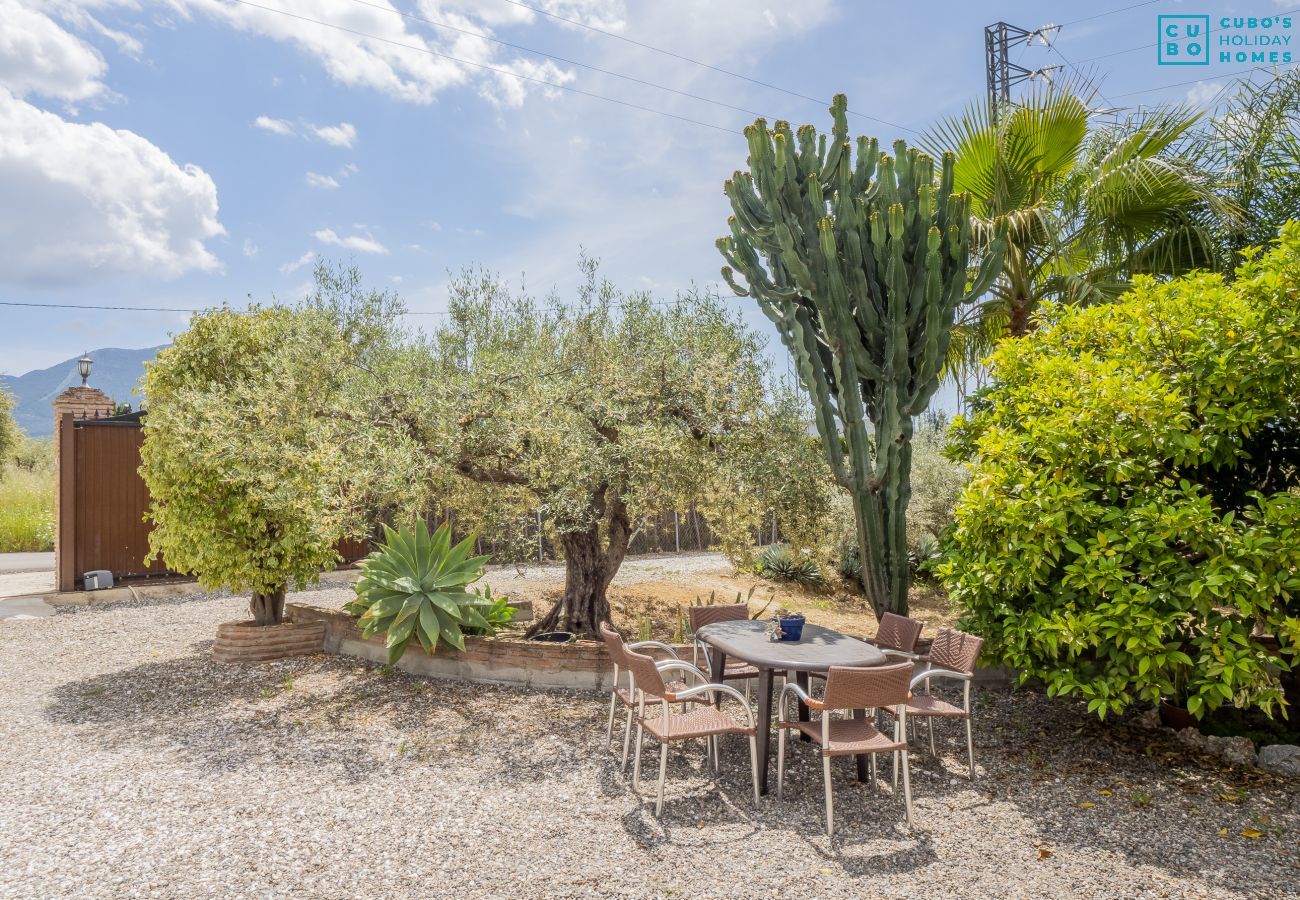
[861,264]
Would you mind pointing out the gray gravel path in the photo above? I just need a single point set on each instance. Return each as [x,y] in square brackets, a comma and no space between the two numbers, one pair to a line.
[136,767]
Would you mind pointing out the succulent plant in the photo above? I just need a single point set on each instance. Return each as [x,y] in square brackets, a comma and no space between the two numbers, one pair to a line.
[861,261]
[414,588]
[779,561]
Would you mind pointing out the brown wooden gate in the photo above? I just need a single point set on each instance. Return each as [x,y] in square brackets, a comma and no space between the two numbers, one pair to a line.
[103,499]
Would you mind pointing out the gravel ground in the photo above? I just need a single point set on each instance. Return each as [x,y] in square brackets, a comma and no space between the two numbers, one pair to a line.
[135,766]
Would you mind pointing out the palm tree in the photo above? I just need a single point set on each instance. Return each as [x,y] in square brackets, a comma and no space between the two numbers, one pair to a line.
[1254,140]
[1090,204]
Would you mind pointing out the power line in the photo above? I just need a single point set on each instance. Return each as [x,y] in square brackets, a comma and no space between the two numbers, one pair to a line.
[96,306]
[1086,77]
[565,60]
[618,37]
[1199,80]
[497,69]
[1111,12]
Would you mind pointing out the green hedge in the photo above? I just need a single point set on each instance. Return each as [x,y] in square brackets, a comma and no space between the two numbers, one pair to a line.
[1132,524]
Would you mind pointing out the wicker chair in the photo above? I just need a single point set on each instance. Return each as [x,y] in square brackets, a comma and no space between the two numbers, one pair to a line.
[847,688]
[627,696]
[897,636]
[722,612]
[704,721]
[952,655]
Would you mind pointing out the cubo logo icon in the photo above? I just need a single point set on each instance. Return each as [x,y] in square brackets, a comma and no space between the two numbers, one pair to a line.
[1184,40]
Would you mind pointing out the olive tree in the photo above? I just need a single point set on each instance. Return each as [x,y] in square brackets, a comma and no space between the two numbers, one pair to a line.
[598,413]
[261,450]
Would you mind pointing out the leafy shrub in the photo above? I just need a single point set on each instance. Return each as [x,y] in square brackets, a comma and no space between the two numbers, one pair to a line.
[414,587]
[498,612]
[1133,513]
[779,561]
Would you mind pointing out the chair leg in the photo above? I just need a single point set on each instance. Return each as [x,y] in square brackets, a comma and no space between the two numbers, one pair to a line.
[636,764]
[747,681]
[780,762]
[627,740]
[907,790]
[609,729]
[830,805]
[970,750]
[895,773]
[753,765]
[875,785]
[929,724]
[717,754]
[663,773]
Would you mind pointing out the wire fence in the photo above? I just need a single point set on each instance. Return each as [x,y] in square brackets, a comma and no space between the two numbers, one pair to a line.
[530,538]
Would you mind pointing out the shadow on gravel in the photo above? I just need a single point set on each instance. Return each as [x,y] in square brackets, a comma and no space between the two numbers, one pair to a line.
[296,714]
[1131,791]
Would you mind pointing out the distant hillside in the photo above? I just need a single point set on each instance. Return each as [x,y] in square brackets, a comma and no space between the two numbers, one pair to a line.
[115,372]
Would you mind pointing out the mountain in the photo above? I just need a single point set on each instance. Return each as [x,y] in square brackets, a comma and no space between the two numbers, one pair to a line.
[115,372]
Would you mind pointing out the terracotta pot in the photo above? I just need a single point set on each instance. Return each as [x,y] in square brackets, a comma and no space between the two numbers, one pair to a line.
[1176,717]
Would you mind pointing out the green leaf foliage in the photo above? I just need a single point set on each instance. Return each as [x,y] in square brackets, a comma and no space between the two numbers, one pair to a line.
[781,562]
[259,450]
[1132,524]
[1091,203]
[10,433]
[414,587]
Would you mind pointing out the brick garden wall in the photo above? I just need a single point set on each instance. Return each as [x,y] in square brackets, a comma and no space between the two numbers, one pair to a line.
[580,665]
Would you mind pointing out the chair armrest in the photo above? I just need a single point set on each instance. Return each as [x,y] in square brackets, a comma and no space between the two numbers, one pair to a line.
[713,688]
[653,645]
[938,673]
[901,654]
[680,665]
[804,698]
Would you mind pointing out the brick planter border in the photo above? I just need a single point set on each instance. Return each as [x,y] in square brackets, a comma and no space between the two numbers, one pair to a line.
[244,642]
[579,665]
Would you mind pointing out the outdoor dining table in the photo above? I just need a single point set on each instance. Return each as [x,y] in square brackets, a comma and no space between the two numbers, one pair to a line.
[816,651]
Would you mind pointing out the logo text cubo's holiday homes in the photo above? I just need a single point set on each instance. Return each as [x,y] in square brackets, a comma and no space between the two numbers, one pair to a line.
[1199,40]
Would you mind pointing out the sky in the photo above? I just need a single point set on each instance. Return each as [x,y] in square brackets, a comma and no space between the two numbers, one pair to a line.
[186,153]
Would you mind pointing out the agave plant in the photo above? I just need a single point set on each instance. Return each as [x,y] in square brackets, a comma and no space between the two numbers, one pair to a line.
[780,561]
[414,588]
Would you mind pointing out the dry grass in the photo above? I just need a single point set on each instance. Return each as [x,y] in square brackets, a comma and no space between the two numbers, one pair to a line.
[26,511]
[663,601]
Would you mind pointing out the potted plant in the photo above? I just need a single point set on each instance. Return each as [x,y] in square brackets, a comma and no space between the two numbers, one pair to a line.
[786,626]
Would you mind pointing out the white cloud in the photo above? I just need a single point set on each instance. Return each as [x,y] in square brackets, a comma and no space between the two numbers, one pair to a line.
[343,134]
[250,249]
[83,200]
[1203,93]
[361,243]
[383,51]
[324,182]
[340,135]
[290,267]
[275,126]
[37,56]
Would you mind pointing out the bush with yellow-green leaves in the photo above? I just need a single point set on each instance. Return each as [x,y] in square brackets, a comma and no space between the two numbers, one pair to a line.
[1131,531]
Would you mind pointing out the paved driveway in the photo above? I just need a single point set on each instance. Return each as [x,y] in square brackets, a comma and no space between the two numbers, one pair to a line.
[26,562]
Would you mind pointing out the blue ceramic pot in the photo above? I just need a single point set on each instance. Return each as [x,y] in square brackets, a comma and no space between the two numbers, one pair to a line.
[792,628]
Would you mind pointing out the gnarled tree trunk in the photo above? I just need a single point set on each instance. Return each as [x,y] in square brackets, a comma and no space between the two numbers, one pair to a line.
[268,608]
[589,567]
